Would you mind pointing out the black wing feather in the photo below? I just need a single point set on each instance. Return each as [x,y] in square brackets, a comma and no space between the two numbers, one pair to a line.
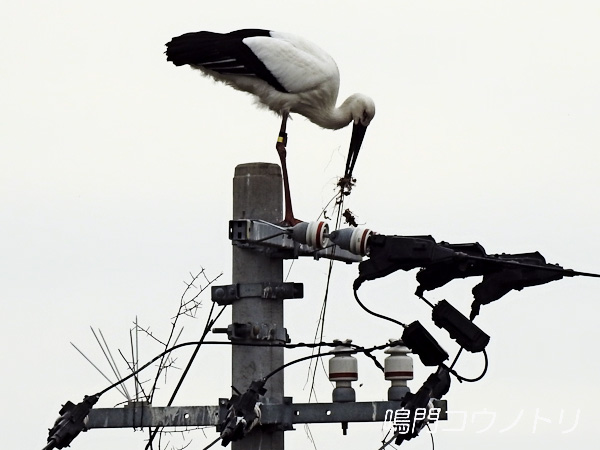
[221,53]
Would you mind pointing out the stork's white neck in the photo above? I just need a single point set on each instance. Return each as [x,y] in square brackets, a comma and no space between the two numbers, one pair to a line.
[352,109]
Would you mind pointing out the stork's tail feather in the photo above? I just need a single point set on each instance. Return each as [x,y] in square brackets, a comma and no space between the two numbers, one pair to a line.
[205,47]
[191,48]
[223,54]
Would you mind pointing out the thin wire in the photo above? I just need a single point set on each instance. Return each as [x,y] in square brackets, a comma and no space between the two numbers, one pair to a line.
[456,358]
[473,380]
[431,435]
[212,443]
[468,380]
[207,327]
[321,327]
[326,206]
[321,322]
[355,349]
[317,355]
[173,327]
[385,444]
[381,316]
[274,225]
[425,300]
[289,270]
[281,233]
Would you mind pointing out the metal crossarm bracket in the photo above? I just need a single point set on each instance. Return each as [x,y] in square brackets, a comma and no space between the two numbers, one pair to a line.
[278,242]
[153,416]
[225,295]
[284,415]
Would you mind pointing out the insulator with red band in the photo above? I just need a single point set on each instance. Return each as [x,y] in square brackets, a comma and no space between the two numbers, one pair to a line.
[355,240]
[311,233]
[343,370]
[398,368]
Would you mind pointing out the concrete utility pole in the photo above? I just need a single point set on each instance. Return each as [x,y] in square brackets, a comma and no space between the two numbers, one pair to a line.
[257,194]
[256,297]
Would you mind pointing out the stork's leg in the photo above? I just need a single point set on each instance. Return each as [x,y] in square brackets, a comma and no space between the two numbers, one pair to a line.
[289,218]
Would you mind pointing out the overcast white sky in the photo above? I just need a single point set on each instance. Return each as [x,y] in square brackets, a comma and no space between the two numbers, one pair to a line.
[115,183]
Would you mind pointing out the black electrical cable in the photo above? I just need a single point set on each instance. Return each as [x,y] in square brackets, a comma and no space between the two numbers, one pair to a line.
[207,327]
[381,316]
[450,369]
[471,380]
[357,349]
[461,378]
[550,268]
[456,358]
[425,300]
[153,360]
[453,372]
[333,352]
[212,443]
[431,435]
[386,443]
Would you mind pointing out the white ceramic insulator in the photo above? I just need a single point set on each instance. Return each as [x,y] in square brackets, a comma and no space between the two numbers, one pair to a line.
[343,367]
[315,234]
[358,241]
[352,239]
[311,233]
[398,366]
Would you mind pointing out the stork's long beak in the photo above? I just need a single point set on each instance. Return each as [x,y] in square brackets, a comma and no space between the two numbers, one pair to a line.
[358,134]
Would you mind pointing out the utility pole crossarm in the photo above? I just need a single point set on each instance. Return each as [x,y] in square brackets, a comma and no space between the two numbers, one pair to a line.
[283,415]
[135,416]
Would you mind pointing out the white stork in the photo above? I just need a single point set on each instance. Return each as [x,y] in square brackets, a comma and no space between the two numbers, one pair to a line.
[287,74]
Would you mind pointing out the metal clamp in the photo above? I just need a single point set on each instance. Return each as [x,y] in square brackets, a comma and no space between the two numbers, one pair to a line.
[279,242]
[255,331]
[227,294]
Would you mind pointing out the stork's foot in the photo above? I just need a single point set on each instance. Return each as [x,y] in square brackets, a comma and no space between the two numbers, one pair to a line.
[290,221]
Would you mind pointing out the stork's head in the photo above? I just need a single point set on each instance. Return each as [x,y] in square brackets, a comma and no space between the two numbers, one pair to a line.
[362,109]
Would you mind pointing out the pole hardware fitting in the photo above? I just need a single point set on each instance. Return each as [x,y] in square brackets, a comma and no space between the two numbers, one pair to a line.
[227,294]
[288,242]
[255,331]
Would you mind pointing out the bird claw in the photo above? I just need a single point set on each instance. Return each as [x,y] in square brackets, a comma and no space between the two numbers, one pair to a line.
[290,222]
